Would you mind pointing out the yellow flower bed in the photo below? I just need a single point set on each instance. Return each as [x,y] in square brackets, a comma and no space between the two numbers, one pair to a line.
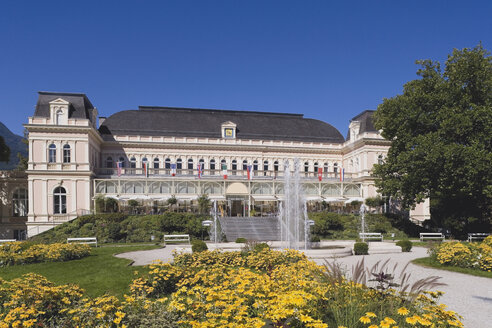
[466,255]
[214,289]
[23,253]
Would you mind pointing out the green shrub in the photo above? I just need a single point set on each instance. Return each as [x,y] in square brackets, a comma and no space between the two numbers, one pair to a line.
[198,245]
[261,246]
[406,245]
[241,240]
[315,239]
[361,248]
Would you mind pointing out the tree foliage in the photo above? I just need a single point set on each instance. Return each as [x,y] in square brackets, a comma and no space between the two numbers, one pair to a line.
[4,151]
[441,133]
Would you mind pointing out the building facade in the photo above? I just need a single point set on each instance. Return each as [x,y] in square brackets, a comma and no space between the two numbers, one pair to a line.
[236,158]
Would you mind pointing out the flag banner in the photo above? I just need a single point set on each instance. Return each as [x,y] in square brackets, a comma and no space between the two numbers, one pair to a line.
[146,169]
[249,169]
[342,174]
[320,173]
[173,169]
[200,170]
[119,166]
[224,170]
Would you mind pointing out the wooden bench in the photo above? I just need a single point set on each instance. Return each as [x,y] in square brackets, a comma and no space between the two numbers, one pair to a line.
[176,238]
[371,235]
[477,236]
[431,235]
[83,240]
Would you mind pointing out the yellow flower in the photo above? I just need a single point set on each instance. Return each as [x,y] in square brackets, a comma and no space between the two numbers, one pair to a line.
[412,320]
[402,311]
[370,315]
[365,319]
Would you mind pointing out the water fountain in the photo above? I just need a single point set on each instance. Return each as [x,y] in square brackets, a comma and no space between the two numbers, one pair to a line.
[294,223]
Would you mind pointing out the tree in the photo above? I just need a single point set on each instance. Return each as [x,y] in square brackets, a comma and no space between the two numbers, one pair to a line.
[203,204]
[441,134]
[4,151]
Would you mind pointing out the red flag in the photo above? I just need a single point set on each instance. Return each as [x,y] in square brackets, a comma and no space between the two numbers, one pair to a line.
[320,173]
[119,165]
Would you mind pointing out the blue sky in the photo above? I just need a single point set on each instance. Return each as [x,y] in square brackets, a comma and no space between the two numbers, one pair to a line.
[329,60]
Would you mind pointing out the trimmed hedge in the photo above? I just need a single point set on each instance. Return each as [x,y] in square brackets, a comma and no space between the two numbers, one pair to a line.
[361,248]
[198,245]
[121,228]
[406,245]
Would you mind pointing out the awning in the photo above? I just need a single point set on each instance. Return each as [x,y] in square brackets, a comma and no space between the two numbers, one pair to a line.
[350,200]
[110,196]
[264,198]
[216,197]
[313,198]
[186,198]
[139,197]
[334,199]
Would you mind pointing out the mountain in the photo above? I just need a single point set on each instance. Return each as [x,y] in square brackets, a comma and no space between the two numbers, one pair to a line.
[14,142]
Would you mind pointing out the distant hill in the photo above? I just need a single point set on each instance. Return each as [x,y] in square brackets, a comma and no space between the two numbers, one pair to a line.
[16,146]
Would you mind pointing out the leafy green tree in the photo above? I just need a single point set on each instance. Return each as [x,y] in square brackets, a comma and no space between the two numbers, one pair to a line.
[441,134]
[203,204]
[4,151]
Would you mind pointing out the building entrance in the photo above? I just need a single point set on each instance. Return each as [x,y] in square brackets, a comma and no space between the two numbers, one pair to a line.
[237,206]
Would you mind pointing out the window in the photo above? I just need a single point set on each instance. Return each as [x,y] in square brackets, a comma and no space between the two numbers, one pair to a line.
[122,160]
[52,153]
[234,167]
[212,166]
[156,163]
[222,163]
[265,167]
[325,167]
[167,163]
[59,117]
[202,163]
[133,163]
[66,153]
[380,159]
[255,166]
[335,169]
[59,201]
[245,165]
[144,161]
[275,166]
[179,163]
[190,166]
[109,162]
[306,167]
[316,167]
[19,202]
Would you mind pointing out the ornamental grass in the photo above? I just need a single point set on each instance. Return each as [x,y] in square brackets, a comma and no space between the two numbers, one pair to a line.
[233,289]
[15,253]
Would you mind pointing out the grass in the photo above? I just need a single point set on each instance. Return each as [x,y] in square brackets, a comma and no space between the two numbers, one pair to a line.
[98,273]
[428,262]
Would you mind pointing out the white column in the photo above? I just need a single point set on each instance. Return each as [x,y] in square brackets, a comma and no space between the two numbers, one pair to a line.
[74,196]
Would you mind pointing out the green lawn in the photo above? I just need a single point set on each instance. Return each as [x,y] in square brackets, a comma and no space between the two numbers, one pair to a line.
[98,273]
[427,262]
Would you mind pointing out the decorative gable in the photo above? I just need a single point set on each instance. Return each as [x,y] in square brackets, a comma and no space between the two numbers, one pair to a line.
[228,130]
[354,128]
[59,111]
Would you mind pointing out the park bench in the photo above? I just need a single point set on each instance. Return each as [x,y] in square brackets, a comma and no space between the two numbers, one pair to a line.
[431,235]
[371,235]
[176,238]
[477,236]
[83,240]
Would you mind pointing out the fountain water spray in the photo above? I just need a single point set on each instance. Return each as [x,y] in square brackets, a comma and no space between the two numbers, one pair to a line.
[294,228]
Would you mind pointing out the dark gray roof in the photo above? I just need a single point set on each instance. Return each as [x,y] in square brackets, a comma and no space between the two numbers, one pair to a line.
[192,122]
[80,105]
[366,122]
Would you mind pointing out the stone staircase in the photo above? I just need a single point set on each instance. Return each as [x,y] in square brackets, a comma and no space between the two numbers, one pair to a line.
[251,228]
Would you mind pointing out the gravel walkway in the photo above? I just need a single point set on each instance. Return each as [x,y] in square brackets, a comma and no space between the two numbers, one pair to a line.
[470,296]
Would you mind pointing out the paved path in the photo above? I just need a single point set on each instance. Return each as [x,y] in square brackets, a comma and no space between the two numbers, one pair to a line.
[470,296]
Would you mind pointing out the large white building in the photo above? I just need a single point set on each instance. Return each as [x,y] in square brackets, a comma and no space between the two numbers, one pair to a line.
[72,158]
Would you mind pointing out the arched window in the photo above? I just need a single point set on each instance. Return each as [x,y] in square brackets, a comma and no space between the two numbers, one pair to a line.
[179,165]
[190,166]
[306,167]
[133,163]
[223,164]
[109,162]
[380,159]
[201,162]
[325,167]
[316,167]
[212,166]
[59,201]
[52,153]
[167,163]
[245,165]
[19,202]
[234,167]
[122,160]
[144,161]
[275,166]
[66,153]
[156,163]
[265,167]
[335,169]
[255,167]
